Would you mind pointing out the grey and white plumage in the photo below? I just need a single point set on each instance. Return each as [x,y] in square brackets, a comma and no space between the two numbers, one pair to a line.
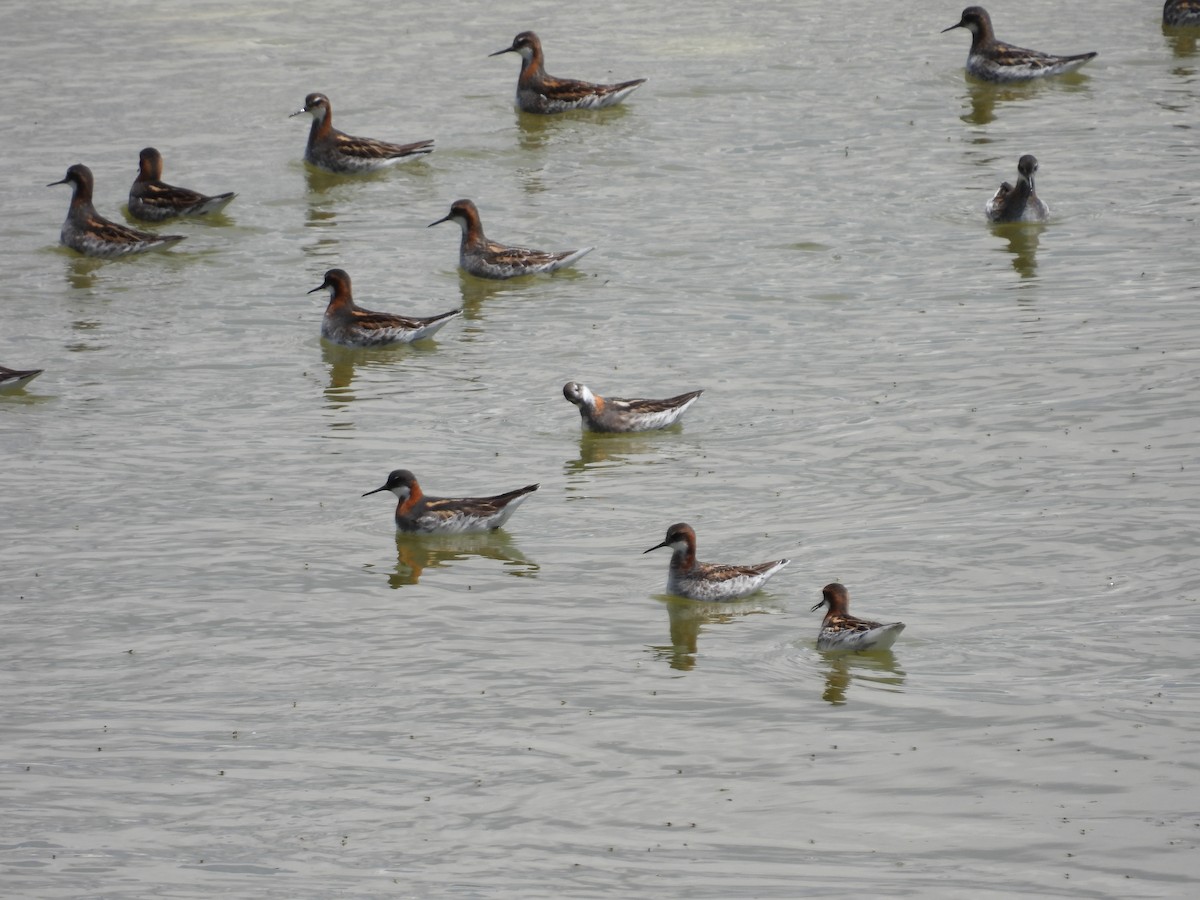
[418,513]
[489,259]
[89,233]
[842,631]
[995,60]
[710,582]
[540,92]
[614,414]
[15,379]
[1019,202]
[152,200]
[347,323]
[343,154]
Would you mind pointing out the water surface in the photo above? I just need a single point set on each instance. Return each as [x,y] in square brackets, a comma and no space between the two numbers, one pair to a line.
[224,673]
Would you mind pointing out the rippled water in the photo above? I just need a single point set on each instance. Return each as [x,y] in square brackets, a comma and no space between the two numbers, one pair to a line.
[224,673]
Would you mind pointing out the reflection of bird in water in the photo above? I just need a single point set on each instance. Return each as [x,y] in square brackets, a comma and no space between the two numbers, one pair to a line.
[612,449]
[415,554]
[476,291]
[345,362]
[1023,240]
[877,668]
[352,368]
[687,617]
[985,96]
[341,362]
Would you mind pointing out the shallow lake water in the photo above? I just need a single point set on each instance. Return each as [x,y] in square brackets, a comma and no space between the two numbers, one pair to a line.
[224,673]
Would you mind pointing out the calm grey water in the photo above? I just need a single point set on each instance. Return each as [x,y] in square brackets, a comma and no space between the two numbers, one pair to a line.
[223,674]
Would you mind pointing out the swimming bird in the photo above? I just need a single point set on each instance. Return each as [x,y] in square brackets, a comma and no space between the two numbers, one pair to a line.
[13,379]
[350,324]
[488,259]
[91,234]
[151,200]
[994,60]
[1020,203]
[1181,13]
[842,631]
[428,515]
[615,414]
[538,92]
[341,154]
[708,581]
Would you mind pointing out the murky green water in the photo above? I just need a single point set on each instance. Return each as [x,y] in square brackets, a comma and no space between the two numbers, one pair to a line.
[223,673]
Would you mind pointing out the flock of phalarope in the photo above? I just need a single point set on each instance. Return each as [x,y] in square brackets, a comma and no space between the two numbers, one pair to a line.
[331,150]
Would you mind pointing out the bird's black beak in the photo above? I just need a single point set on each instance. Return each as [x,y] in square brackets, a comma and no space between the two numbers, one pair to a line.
[438,222]
[505,50]
[818,606]
[321,287]
[53,183]
[952,27]
[376,491]
[655,547]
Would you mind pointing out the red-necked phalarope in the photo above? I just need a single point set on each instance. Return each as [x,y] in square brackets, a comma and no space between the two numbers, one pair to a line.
[1020,203]
[336,152]
[487,259]
[427,515]
[842,631]
[91,234]
[707,581]
[15,379]
[538,92]
[1181,13]
[994,60]
[153,201]
[615,414]
[349,324]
